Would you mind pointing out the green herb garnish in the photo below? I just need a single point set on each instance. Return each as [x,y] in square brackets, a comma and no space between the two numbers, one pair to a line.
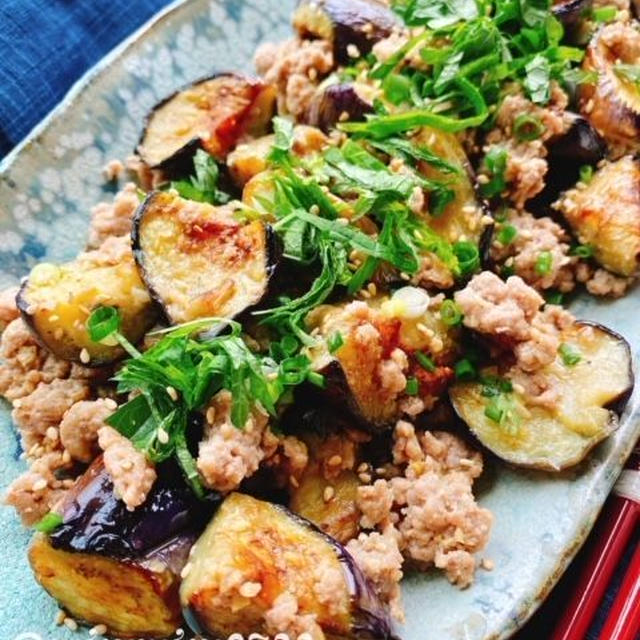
[335,341]
[49,523]
[527,127]
[582,251]
[425,361]
[569,354]
[465,370]
[586,173]
[203,186]
[544,261]
[412,387]
[507,234]
[450,313]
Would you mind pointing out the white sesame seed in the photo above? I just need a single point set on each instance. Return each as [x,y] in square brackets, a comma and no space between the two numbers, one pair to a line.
[211,415]
[487,564]
[353,51]
[250,589]
[163,436]
[294,482]
[39,484]
[66,457]
[365,478]
[372,288]
[405,276]
[59,617]
[343,117]
[173,394]
[85,358]
[98,630]
[110,403]
[363,467]
[334,461]
[314,209]
[52,433]
[329,492]
[186,570]
[71,624]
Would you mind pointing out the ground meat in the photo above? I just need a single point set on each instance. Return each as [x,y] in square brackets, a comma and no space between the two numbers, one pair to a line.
[526,160]
[375,502]
[385,48]
[441,523]
[433,273]
[8,309]
[39,490]
[283,617]
[379,558]
[38,415]
[328,587]
[499,308]
[227,455]
[110,252]
[80,425]
[113,218]
[509,313]
[426,509]
[296,67]
[132,474]
[605,283]
[535,236]
[25,363]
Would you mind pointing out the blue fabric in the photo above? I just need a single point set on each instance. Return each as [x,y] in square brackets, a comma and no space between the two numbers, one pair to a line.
[46,45]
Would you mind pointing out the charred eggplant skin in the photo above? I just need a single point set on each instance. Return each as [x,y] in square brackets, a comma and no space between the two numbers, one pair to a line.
[95,521]
[361,23]
[570,12]
[190,251]
[250,114]
[331,103]
[281,550]
[578,146]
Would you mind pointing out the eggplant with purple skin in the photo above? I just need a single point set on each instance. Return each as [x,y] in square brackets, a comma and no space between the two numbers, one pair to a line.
[353,371]
[345,23]
[213,114]
[107,565]
[330,104]
[571,12]
[605,214]
[56,301]
[611,102]
[270,551]
[588,385]
[580,145]
[199,260]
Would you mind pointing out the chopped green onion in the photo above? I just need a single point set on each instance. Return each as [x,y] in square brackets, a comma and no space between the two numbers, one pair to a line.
[543,263]
[554,297]
[527,127]
[290,345]
[412,387]
[507,234]
[465,370]
[450,313]
[582,251]
[586,173]
[425,361]
[335,342]
[103,323]
[317,379]
[494,411]
[569,354]
[604,14]
[468,257]
[49,523]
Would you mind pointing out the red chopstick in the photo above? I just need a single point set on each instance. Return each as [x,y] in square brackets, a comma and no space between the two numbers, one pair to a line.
[623,622]
[612,534]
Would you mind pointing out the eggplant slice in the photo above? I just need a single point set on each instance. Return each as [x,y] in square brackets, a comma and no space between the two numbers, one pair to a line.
[107,565]
[331,102]
[612,102]
[605,214]
[249,159]
[590,394]
[199,260]
[132,598]
[265,544]
[345,23]
[353,371]
[56,301]
[213,114]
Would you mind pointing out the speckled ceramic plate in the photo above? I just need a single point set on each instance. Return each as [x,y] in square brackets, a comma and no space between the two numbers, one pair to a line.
[47,186]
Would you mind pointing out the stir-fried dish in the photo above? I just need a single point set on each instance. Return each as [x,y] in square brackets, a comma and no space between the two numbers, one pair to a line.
[265,389]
